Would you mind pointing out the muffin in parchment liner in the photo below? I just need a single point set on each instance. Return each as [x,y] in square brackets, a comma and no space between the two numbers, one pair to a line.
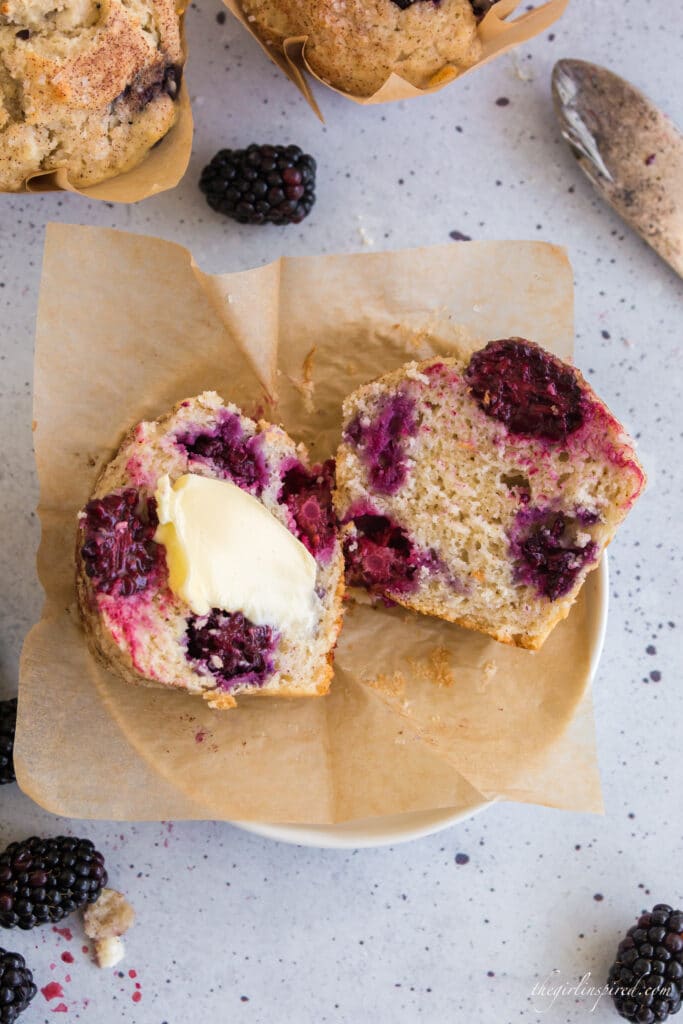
[420,713]
[376,51]
[92,98]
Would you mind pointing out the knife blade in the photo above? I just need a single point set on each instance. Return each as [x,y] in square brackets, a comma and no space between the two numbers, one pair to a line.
[631,152]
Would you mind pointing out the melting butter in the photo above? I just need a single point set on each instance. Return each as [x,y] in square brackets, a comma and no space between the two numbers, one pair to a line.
[225,550]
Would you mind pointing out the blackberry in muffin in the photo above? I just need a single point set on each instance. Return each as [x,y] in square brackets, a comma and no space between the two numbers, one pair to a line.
[482,491]
[89,87]
[209,560]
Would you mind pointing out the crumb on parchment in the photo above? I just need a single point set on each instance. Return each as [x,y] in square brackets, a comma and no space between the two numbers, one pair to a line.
[305,384]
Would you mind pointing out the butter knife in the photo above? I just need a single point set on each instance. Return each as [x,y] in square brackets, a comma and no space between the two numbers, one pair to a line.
[630,151]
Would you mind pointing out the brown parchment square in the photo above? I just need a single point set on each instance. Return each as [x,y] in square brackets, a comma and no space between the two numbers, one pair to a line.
[422,714]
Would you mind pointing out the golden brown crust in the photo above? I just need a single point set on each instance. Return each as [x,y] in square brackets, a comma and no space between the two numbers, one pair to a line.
[527,641]
[219,700]
[87,87]
[356,45]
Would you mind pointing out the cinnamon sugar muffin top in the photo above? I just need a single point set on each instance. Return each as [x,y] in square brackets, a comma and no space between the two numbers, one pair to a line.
[89,85]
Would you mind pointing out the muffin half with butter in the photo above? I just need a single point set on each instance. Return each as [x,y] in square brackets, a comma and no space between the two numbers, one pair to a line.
[208,558]
[89,86]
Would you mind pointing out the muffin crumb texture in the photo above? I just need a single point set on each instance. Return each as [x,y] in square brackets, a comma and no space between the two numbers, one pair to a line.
[138,624]
[109,952]
[110,917]
[482,491]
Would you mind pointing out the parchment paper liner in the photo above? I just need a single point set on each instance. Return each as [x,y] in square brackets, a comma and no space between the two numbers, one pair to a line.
[496,32]
[161,169]
[421,713]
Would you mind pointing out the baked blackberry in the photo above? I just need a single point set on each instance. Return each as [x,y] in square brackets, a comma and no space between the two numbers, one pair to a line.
[529,390]
[261,184]
[119,554]
[646,979]
[548,560]
[47,879]
[8,722]
[466,492]
[307,493]
[230,646]
[482,7]
[16,986]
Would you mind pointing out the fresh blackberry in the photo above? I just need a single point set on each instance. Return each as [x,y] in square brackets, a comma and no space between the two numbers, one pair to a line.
[8,722]
[646,979]
[16,986]
[47,879]
[261,184]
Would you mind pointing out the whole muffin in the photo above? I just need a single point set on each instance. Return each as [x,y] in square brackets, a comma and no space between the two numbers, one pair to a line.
[355,45]
[205,500]
[89,85]
[482,491]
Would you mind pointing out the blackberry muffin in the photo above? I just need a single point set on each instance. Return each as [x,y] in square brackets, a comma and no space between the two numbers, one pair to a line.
[355,45]
[88,85]
[208,558]
[482,491]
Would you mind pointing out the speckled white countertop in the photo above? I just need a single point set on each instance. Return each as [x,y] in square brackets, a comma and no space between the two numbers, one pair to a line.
[463,925]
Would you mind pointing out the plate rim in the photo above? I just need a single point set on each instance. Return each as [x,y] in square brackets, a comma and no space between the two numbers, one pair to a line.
[368,833]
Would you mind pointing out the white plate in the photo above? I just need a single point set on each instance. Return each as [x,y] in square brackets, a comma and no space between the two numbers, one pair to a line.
[401,828]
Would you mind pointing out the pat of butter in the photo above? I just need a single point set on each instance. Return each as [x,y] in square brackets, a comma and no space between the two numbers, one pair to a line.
[224,549]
